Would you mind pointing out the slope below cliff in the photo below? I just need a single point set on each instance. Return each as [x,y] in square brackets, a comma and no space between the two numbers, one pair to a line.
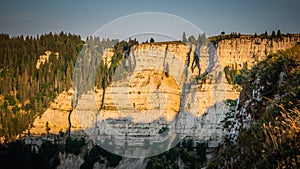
[271,97]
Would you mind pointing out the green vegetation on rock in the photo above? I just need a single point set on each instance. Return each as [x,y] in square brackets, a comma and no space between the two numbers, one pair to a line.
[182,154]
[272,87]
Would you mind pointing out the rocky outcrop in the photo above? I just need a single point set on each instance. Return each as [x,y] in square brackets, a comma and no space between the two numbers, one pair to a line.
[107,55]
[57,116]
[45,58]
[251,50]
[156,87]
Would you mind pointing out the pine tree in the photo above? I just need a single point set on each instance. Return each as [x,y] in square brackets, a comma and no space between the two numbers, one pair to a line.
[279,34]
[273,35]
[151,40]
[184,38]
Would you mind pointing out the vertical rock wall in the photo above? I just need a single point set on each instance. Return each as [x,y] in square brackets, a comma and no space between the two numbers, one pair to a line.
[148,88]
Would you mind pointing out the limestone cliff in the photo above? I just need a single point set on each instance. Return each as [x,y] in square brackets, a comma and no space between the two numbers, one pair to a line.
[251,50]
[158,85]
[57,116]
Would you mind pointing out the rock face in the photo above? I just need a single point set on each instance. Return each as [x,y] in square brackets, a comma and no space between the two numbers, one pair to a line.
[57,116]
[251,50]
[158,87]
[107,55]
[150,91]
[45,58]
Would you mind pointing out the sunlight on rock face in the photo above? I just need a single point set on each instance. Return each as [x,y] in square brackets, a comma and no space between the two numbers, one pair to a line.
[153,95]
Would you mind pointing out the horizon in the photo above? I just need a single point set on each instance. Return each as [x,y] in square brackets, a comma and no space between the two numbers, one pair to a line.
[171,40]
[36,18]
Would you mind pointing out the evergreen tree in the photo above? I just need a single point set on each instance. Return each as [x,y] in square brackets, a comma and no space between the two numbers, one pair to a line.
[30,89]
[273,35]
[151,40]
[279,34]
[266,35]
[184,38]
[192,40]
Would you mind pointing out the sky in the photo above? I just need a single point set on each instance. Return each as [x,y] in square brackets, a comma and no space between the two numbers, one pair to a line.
[32,17]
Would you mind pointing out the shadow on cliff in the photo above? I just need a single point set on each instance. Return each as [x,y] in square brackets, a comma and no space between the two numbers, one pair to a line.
[133,142]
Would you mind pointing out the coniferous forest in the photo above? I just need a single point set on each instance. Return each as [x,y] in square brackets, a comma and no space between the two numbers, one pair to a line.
[27,90]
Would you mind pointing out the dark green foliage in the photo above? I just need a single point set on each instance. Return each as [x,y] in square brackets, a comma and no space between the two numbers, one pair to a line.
[201,152]
[237,79]
[224,36]
[234,75]
[17,155]
[192,157]
[151,40]
[229,74]
[74,145]
[164,129]
[266,34]
[278,36]
[166,71]
[229,116]
[113,159]
[90,69]
[273,35]
[10,99]
[201,39]
[162,162]
[95,154]
[27,90]
[278,74]
[192,39]
[47,128]
[184,38]
[90,158]
[104,74]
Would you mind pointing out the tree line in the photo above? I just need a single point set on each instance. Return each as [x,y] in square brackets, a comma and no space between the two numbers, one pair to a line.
[25,91]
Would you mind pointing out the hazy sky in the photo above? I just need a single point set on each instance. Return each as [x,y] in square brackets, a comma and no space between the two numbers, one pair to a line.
[31,17]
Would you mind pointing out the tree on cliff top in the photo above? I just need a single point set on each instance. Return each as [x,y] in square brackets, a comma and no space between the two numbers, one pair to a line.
[192,40]
[184,39]
[151,40]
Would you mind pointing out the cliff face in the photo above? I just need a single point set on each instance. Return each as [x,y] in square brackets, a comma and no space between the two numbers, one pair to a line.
[155,88]
[251,50]
[57,116]
[149,91]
